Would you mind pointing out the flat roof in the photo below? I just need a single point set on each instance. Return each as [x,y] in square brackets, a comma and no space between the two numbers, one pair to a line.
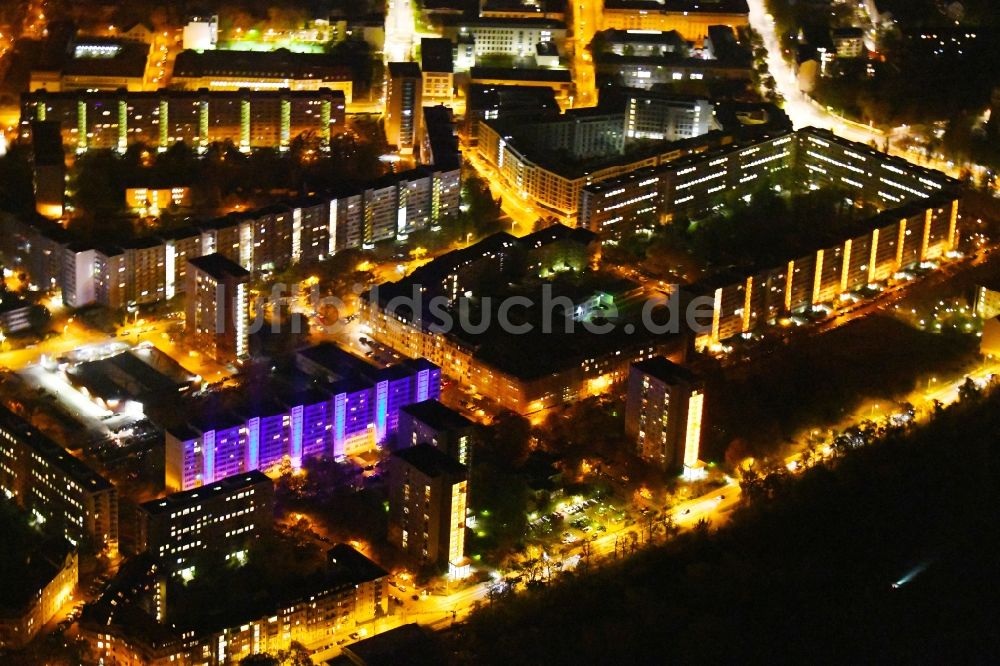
[136,374]
[513,23]
[520,74]
[129,60]
[348,565]
[410,69]
[226,486]
[278,64]
[436,54]
[491,95]
[437,416]
[408,644]
[665,370]
[430,460]
[645,36]
[218,266]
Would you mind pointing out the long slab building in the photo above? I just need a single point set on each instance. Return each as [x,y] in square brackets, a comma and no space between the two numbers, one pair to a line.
[298,231]
[353,410]
[919,219]
[250,119]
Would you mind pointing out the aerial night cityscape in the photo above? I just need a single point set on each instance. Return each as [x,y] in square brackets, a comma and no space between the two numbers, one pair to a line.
[514,332]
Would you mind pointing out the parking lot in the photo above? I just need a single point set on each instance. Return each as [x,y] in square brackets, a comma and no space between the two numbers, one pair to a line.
[576,519]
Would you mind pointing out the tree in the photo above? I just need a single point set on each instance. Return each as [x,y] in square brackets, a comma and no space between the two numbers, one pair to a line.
[262,659]
[969,391]
[39,318]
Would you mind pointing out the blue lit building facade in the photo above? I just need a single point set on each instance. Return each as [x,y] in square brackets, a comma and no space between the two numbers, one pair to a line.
[347,416]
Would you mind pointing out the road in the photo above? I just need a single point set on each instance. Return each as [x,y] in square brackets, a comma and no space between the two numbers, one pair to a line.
[522,214]
[400,31]
[803,111]
[586,18]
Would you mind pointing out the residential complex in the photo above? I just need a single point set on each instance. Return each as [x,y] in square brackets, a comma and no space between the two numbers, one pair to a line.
[218,309]
[523,373]
[310,229]
[919,219]
[554,181]
[56,488]
[427,501]
[248,118]
[664,404]
[226,516]
[352,409]
[129,623]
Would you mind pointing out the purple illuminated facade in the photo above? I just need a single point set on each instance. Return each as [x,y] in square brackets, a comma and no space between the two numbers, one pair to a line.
[348,415]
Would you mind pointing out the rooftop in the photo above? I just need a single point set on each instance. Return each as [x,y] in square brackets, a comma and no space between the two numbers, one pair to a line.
[226,486]
[431,461]
[436,55]
[408,644]
[28,560]
[683,6]
[279,64]
[437,416]
[408,69]
[666,371]
[106,57]
[346,564]
[139,374]
[219,267]
[520,74]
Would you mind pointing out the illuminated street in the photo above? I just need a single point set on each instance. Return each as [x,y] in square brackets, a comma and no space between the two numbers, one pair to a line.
[400,31]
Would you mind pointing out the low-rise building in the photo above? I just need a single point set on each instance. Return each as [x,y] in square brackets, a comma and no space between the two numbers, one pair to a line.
[506,103]
[508,36]
[438,69]
[95,63]
[15,313]
[690,18]
[849,42]
[133,621]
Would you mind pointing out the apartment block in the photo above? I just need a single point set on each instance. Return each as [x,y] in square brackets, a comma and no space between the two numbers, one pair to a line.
[427,501]
[663,413]
[55,487]
[226,516]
